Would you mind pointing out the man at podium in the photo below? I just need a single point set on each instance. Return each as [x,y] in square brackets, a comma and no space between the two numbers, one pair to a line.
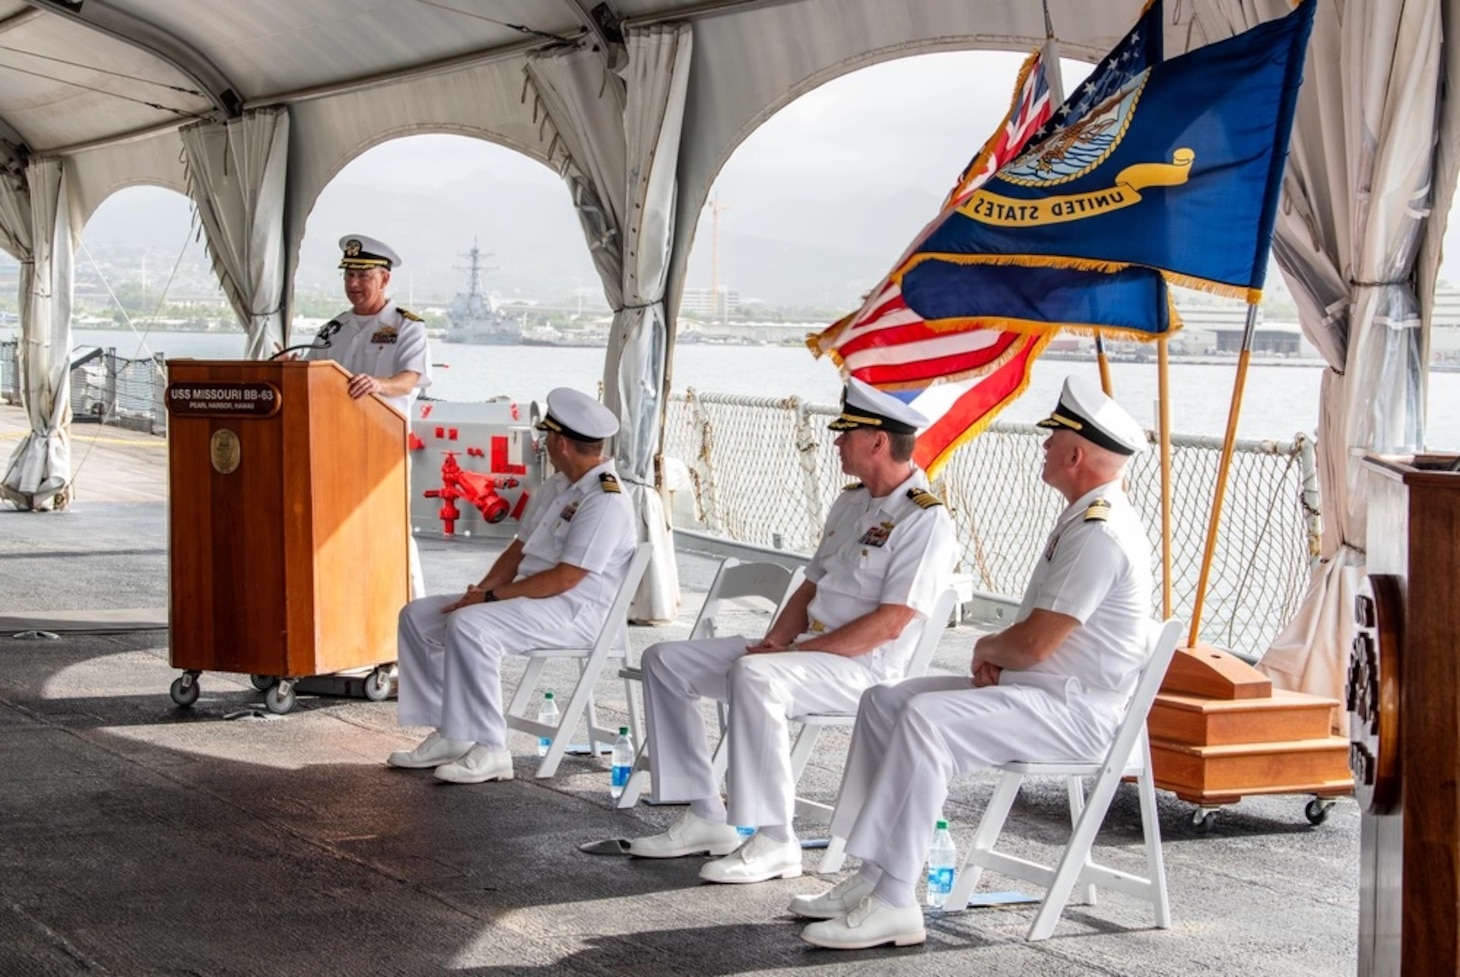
[551,587]
[382,345]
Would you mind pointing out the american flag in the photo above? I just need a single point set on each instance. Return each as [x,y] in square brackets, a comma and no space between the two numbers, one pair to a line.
[958,377]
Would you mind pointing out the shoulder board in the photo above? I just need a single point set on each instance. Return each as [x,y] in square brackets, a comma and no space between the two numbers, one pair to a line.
[853,487]
[1099,511]
[408,314]
[923,498]
[608,482]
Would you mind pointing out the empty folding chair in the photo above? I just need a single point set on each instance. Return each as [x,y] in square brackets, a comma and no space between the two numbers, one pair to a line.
[1129,756]
[612,641]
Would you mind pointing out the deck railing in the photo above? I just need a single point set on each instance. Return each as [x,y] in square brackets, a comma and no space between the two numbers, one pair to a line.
[764,471]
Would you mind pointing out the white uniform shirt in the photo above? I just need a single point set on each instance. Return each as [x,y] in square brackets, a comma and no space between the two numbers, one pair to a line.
[1096,568]
[881,551]
[583,524]
[381,345]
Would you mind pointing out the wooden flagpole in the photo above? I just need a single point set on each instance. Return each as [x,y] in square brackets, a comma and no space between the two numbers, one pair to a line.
[1163,424]
[1228,445]
[1104,366]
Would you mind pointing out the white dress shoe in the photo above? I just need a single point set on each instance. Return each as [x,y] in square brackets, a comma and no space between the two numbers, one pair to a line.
[481,763]
[872,923]
[690,835]
[758,860]
[839,900]
[433,751]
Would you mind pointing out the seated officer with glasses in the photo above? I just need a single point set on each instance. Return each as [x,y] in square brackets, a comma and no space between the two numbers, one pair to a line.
[886,553]
[551,587]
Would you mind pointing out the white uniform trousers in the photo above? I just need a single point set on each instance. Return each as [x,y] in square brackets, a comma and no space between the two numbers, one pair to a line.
[762,692]
[451,665]
[413,568]
[912,737]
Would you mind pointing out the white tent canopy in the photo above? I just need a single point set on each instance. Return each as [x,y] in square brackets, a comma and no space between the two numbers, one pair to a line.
[105,88]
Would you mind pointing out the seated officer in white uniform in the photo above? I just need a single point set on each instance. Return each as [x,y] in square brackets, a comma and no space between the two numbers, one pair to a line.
[551,587]
[886,553]
[1052,685]
[381,345]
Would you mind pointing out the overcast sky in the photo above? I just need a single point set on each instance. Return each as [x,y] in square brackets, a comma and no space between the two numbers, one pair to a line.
[906,125]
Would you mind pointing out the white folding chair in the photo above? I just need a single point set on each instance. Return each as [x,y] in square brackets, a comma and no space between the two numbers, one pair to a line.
[757,585]
[813,723]
[1129,756]
[612,641]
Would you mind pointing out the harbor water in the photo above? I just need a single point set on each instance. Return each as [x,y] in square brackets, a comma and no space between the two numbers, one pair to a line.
[1281,398]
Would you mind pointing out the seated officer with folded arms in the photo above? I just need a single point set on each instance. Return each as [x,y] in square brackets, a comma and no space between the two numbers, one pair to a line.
[885,555]
[1051,686]
[551,587]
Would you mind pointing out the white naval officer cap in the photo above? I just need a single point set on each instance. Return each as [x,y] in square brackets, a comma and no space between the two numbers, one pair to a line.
[1085,409]
[863,405]
[360,252]
[578,416]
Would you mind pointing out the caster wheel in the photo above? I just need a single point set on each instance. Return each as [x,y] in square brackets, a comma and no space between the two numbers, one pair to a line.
[185,689]
[264,682]
[1316,810]
[377,685]
[1204,820]
[280,698]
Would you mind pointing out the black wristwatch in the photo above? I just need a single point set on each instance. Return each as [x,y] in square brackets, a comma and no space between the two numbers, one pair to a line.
[490,596]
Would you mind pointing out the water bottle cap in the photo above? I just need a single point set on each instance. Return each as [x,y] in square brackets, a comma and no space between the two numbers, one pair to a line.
[547,695]
[942,825]
[623,731]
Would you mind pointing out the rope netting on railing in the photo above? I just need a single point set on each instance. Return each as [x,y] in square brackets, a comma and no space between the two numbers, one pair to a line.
[764,471]
[112,388]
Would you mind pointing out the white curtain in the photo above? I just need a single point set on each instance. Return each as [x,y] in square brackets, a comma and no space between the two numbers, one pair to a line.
[236,177]
[39,471]
[1357,207]
[621,135]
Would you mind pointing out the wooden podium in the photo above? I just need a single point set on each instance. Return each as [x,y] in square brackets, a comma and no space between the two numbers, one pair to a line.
[288,522]
[1407,742]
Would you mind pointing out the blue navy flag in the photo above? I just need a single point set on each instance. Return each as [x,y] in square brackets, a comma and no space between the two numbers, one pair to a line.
[1173,165]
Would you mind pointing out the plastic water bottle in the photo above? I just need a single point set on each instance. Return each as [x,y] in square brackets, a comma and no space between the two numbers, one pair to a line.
[942,860]
[547,714]
[623,762]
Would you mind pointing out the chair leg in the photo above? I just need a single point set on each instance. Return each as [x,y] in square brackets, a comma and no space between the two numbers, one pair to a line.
[836,855]
[1151,830]
[984,839]
[802,749]
[636,717]
[579,707]
[1076,856]
[638,776]
[1076,787]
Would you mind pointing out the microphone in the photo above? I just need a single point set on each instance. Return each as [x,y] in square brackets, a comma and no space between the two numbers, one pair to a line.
[321,340]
